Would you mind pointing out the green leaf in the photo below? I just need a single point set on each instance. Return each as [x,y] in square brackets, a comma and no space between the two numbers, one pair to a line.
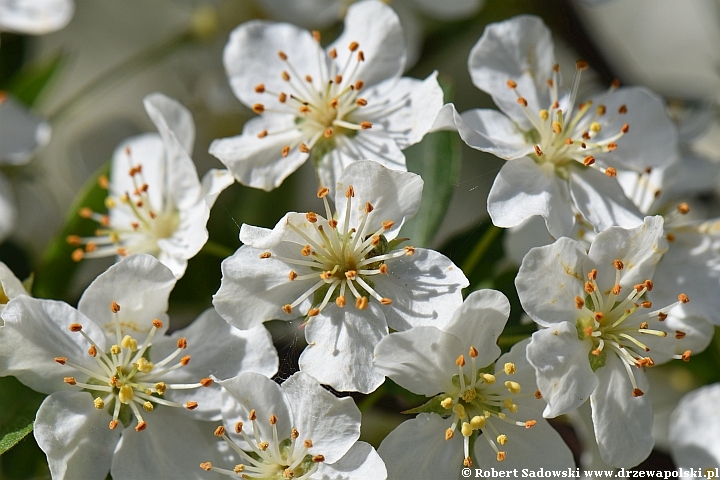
[18,405]
[437,160]
[27,84]
[431,406]
[53,278]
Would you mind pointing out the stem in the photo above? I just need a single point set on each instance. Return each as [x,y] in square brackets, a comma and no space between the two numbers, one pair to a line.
[120,71]
[368,402]
[215,249]
[479,250]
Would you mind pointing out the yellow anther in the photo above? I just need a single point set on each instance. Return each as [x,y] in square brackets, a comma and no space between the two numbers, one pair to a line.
[148,407]
[129,342]
[557,127]
[447,403]
[459,410]
[99,403]
[544,114]
[477,422]
[115,350]
[144,365]
[488,378]
[509,368]
[361,303]
[513,387]
[449,434]
[460,361]
[160,387]
[140,426]
[466,429]
[502,439]
[595,127]
[126,394]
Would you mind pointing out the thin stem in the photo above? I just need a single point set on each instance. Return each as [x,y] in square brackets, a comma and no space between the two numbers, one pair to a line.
[215,249]
[480,249]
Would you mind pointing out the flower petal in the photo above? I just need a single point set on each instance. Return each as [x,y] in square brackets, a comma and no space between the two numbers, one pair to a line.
[332,423]
[35,17]
[421,359]
[341,342]
[523,189]
[258,162]
[75,436]
[493,132]
[417,450]
[35,333]
[21,131]
[549,279]
[623,423]
[140,285]
[693,429]
[601,200]
[376,28]
[393,195]
[519,49]
[423,287]
[169,115]
[479,322]
[563,370]
[361,462]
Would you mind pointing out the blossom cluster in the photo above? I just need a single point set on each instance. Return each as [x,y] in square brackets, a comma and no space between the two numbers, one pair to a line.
[614,275]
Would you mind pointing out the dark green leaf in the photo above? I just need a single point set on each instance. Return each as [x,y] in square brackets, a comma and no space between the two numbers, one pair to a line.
[27,84]
[431,406]
[53,278]
[437,160]
[18,405]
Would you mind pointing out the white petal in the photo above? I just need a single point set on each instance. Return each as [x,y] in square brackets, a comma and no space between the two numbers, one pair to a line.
[251,58]
[493,132]
[250,391]
[10,285]
[639,248]
[169,115]
[332,423]
[258,162]
[340,348]
[216,349]
[523,189]
[423,287]
[694,429]
[172,446]
[549,279]
[623,423]
[35,333]
[147,150]
[404,109]
[527,448]
[394,196]
[75,436]
[479,322]
[524,375]
[35,17]
[140,285]
[519,240]
[21,132]
[376,28]
[361,462]
[652,140]
[518,49]
[421,359]
[698,334]
[417,450]
[254,290]
[366,144]
[601,201]
[563,370]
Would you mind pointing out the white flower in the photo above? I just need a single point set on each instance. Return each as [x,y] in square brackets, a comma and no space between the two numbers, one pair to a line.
[156,202]
[35,17]
[599,328]
[347,273]
[324,13]
[476,399]
[694,429]
[562,156]
[21,132]
[10,287]
[294,430]
[108,365]
[334,106]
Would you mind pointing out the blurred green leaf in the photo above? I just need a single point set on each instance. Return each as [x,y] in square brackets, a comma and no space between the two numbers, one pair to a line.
[27,84]
[53,278]
[437,159]
[18,405]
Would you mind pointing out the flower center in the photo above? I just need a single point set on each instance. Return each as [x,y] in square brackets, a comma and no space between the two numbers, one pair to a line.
[124,378]
[561,136]
[617,324]
[146,226]
[341,258]
[327,109]
[481,404]
[269,458]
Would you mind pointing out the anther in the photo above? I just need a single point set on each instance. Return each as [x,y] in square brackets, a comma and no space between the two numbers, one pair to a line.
[488,378]
[353,46]
[386,301]
[473,352]
[388,224]
[511,84]
[522,101]
[182,343]
[282,97]
[670,237]
[340,301]
[308,78]
[114,307]
[409,250]
[616,290]
[532,423]
[140,426]
[615,83]
[589,160]
[207,466]
[238,427]
[361,102]
[318,458]
[579,302]
[679,334]
[369,207]
[581,65]
[449,434]
[610,172]
[513,387]
[622,110]
[383,269]
[556,127]
[157,323]
[350,192]
[308,443]
[258,108]
[304,148]
[206,382]
[625,128]
[662,316]
[287,308]
[148,406]
[467,462]
[316,35]
[282,55]
[113,424]
[637,392]
[612,146]
[323,192]
[460,361]
[361,303]
[75,327]
[686,356]
[501,456]
[61,360]
[313,312]
[219,431]
[683,298]
[191,405]
[359,85]
[185,360]
[589,288]
[538,151]
[304,109]
[646,304]
[538,395]
[683,208]
[509,368]
[333,53]
[260,88]
[306,251]
[73,240]
[365,125]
